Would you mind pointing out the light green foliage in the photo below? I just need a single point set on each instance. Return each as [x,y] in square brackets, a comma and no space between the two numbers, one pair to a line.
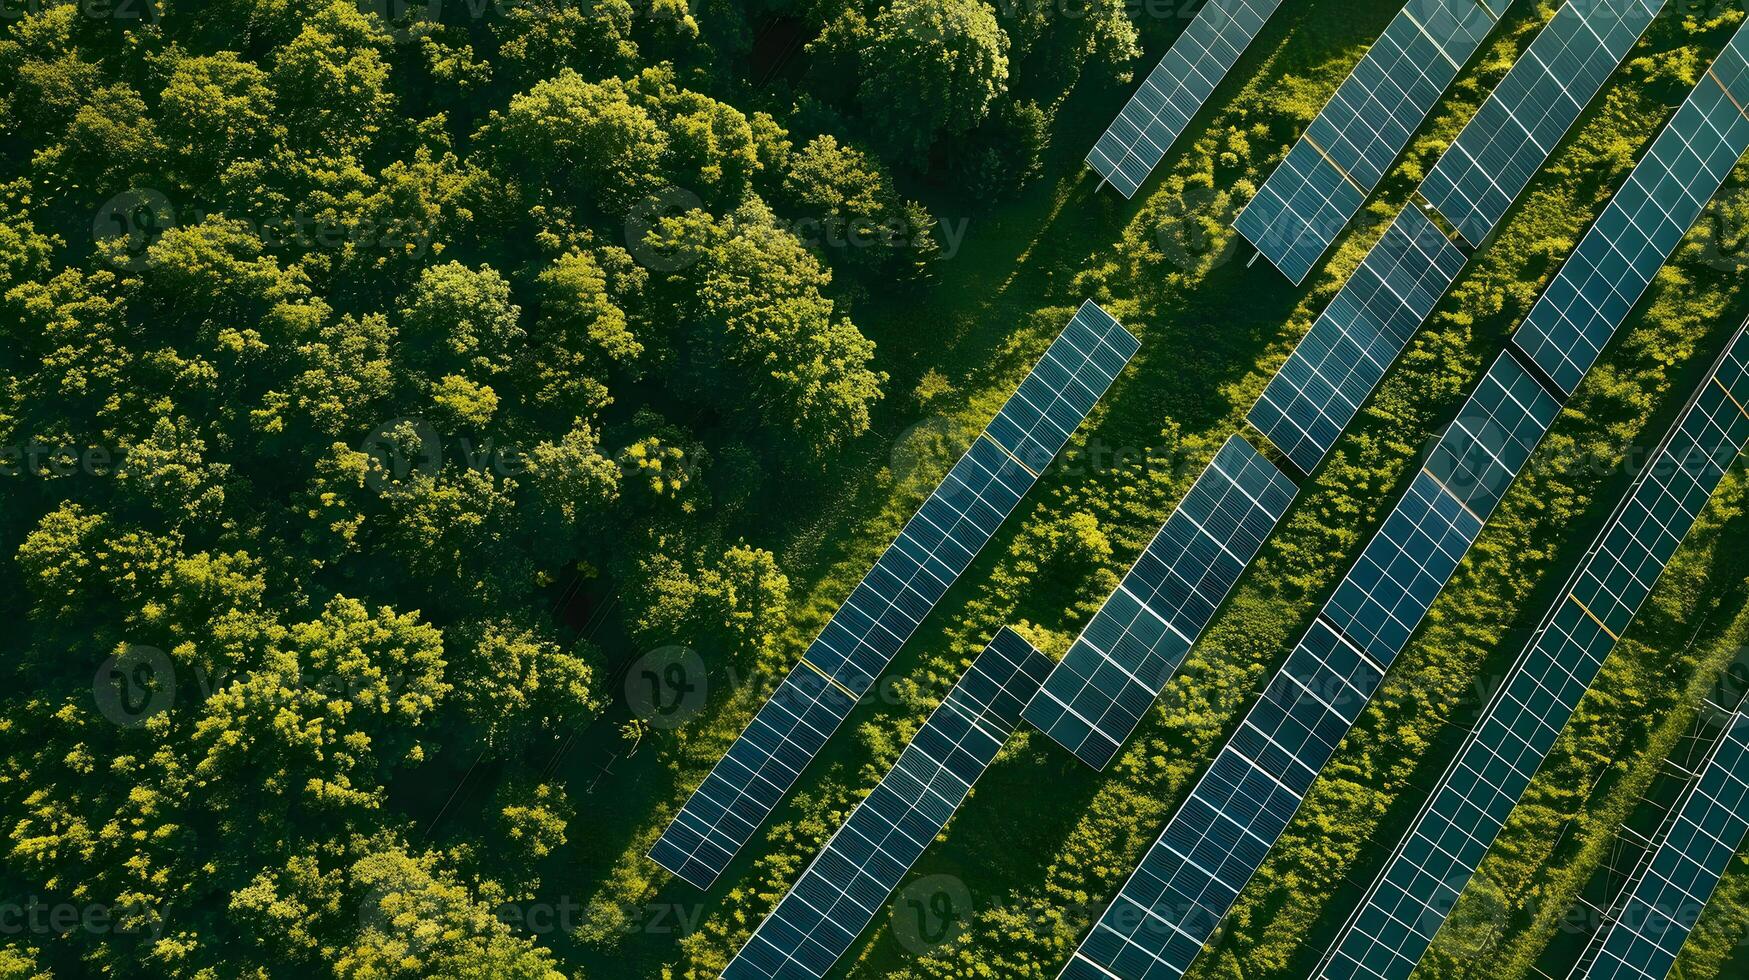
[932,68]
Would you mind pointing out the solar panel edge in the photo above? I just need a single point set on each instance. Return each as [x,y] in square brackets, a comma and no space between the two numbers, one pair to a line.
[1361,650]
[1021,683]
[1203,23]
[1288,253]
[1107,331]
[1731,735]
[1235,458]
[1655,5]
[1533,329]
[1501,693]
[1307,449]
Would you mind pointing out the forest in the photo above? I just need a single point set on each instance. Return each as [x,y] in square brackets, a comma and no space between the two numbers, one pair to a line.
[430,428]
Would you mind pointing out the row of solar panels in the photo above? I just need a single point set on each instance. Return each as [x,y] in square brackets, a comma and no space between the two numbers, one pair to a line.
[1411,896]
[1660,908]
[1125,655]
[1351,144]
[846,884]
[1189,879]
[1336,367]
[910,577]
[1112,674]
[1192,875]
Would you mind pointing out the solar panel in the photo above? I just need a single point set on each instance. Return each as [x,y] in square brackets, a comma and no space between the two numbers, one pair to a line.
[1336,366]
[1188,880]
[908,579]
[1532,108]
[1668,896]
[1664,195]
[842,889]
[1176,897]
[1411,897]
[1156,115]
[1383,597]
[1099,691]
[1351,144]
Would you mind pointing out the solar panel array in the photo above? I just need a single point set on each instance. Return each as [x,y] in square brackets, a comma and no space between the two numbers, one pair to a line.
[1349,147]
[1172,93]
[1099,691]
[1661,910]
[841,891]
[1333,371]
[1411,897]
[1336,366]
[914,572]
[1615,261]
[1213,844]
[1505,143]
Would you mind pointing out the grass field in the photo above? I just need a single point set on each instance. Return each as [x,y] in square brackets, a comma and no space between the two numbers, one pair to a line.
[1044,840]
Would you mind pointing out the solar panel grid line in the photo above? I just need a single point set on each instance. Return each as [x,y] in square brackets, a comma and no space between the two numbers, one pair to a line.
[1195,870]
[1408,900]
[1299,211]
[1615,261]
[841,890]
[1674,884]
[1183,79]
[1527,115]
[1103,687]
[936,545]
[1330,374]
[1307,405]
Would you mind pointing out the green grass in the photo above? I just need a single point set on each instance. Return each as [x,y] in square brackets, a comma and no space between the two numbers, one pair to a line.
[1044,840]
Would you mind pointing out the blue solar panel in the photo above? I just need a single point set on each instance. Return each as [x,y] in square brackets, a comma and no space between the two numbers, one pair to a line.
[1605,276]
[840,892]
[1335,368]
[1531,109]
[1407,903]
[1383,597]
[1176,897]
[1348,148]
[1111,675]
[1156,115]
[910,577]
[1171,905]
[1669,893]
